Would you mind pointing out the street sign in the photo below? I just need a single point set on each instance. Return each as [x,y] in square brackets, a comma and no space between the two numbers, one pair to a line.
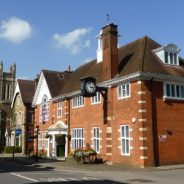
[18,131]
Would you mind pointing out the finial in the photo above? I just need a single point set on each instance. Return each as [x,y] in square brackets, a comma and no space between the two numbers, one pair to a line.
[107,18]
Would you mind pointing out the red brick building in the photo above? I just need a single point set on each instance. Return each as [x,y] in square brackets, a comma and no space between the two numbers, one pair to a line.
[140,123]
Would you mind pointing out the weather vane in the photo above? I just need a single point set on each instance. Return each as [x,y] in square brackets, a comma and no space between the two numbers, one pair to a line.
[107,18]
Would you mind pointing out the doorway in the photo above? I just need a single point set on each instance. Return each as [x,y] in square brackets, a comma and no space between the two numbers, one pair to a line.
[60,146]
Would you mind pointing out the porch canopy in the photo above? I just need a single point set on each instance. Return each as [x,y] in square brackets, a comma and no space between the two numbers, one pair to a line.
[58,128]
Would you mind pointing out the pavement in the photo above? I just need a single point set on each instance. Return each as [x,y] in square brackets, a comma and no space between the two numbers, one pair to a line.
[72,164]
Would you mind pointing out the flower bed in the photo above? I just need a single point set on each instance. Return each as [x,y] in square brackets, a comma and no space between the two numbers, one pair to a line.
[84,155]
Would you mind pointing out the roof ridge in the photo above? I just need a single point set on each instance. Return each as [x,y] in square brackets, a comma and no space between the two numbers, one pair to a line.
[27,80]
[53,71]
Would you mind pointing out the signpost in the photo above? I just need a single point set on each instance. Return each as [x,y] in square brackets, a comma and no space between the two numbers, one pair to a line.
[18,131]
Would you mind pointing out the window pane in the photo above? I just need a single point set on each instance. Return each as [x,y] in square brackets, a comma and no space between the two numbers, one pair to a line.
[172,90]
[177,90]
[122,131]
[123,146]
[182,91]
[175,58]
[171,59]
[168,93]
[128,91]
[166,57]
[127,131]
[127,146]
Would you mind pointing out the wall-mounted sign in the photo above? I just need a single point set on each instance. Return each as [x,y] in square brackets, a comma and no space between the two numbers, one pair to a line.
[18,131]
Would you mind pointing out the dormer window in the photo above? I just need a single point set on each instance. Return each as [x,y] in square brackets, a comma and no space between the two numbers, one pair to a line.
[168,54]
[171,58]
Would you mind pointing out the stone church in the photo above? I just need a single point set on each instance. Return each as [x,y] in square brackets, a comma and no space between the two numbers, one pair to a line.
[7,85]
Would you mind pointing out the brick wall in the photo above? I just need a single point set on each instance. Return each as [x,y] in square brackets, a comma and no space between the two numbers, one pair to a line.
[153,117]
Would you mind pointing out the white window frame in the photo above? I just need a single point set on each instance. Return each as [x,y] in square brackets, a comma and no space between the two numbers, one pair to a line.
[174,62]
[59,108]
[78,101]
[96,139]
[40,140]
[45,141]
[123,90]
[125,140]
[96,99]
[175,91]
[77,138]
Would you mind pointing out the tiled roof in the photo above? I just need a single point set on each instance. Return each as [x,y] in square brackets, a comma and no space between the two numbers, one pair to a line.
[55,80]
[134,57]
[27,90]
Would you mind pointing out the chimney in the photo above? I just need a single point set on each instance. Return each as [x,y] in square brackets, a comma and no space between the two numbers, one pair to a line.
[110,51]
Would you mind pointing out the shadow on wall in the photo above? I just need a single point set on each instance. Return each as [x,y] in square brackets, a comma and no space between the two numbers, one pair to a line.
[83,182]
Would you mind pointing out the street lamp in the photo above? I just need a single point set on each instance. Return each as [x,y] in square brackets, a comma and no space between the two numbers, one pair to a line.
[37,132]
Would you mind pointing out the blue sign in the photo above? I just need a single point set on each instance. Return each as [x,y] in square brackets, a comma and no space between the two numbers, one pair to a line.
[18,131]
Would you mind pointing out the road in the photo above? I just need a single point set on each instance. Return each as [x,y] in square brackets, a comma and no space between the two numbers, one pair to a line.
[16,173]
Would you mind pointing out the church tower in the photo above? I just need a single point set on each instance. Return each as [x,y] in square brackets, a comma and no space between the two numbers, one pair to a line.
[7,85]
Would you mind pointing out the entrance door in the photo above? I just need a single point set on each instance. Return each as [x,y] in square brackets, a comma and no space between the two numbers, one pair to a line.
[60,139]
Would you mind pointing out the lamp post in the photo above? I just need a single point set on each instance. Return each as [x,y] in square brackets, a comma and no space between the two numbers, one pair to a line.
[37,132]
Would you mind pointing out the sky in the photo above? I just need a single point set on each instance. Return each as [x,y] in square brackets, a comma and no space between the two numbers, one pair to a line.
[53,34]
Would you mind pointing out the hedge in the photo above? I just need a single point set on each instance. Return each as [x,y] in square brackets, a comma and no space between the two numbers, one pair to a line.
[10,149]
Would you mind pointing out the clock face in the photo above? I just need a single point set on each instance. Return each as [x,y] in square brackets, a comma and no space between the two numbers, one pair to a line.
[90,87]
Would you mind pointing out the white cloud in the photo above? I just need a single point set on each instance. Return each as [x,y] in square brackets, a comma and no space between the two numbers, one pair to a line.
[15,30]
[73,41]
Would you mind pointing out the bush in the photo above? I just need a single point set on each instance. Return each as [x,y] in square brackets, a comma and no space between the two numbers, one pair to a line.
[10,149]
[1,149]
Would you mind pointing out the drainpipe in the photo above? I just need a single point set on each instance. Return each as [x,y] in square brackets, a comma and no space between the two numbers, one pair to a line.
[154,127]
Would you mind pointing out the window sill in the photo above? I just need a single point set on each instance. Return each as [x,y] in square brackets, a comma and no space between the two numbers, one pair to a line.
[121,98]
[78,107]
[96,103]
[166,98]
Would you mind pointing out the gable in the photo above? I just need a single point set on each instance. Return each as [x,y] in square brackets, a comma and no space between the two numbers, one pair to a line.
[16,92]
[41,90]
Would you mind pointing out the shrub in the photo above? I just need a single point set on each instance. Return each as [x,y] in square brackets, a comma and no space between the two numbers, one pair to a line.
[10,149]
[79,154]
[1,149]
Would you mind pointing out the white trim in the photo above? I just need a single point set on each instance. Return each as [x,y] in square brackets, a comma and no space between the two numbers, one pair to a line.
[127,86]
[142,138]
[143,120]
[142,129]
[78,106]
[94,99]
[108,154]
[180,85]
[139,82]
[125,138]
[39,89]
[141,110]
[129,78]
[141,101]
[143,148]
[143,157]
[16,92]
[141,93]
[96,139]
